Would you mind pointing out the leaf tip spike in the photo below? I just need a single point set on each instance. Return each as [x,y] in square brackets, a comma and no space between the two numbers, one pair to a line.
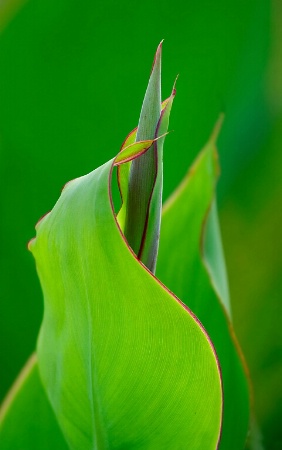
[217,128]
[158,55]
[173,93]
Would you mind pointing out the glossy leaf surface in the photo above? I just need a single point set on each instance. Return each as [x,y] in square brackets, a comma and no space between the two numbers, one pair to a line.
[191,264]
[125,364]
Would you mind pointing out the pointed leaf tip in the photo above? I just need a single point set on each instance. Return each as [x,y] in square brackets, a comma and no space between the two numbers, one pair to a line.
[175,81]
[158,55]
[135,149]
[217,129]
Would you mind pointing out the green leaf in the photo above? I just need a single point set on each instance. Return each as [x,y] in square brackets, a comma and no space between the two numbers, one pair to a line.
[27,421]
[143,174]
[60,64]
[124,362]
[135,150]
[123,170]
[190,263]
[251,225]
[213,257]
[150,240]
[131,151]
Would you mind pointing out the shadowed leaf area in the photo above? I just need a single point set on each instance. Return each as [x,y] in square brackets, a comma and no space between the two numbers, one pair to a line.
[251,224]
[191,264]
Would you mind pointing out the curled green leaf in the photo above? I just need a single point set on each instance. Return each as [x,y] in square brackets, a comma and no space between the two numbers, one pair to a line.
[121,360]
[124,362]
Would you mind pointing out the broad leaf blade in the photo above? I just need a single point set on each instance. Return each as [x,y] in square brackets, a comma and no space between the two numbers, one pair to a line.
[27,421]
[125,364]
[182,266]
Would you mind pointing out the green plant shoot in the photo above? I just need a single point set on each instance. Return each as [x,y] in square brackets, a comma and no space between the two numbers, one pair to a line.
[127,359]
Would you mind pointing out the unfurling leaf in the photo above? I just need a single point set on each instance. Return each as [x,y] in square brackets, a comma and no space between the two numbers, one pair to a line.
[141,216]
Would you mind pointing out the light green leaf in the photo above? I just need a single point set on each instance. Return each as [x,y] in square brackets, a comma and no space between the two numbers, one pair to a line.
[191,265]
[135,149]
[123,171]
[125,364]
[27,421]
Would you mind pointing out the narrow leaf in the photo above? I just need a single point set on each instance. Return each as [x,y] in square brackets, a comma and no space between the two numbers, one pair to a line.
[151,234]
[123,172]
[143,170]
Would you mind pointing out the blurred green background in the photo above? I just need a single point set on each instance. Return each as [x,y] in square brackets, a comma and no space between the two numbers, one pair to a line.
[72,79]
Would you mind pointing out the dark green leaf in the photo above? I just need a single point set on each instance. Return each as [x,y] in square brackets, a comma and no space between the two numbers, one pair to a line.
[190,264]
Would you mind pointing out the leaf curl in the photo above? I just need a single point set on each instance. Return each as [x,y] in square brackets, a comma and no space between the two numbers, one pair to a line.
[124,362]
